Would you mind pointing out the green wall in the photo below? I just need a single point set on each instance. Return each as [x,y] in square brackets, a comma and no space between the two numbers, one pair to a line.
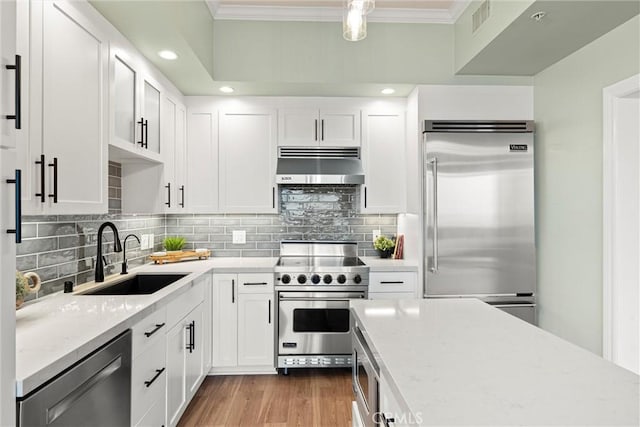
[568,114]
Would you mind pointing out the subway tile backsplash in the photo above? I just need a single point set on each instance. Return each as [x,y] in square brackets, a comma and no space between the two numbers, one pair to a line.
[61,248]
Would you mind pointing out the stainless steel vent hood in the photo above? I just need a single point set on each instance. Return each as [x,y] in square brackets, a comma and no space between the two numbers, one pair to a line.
[319,165]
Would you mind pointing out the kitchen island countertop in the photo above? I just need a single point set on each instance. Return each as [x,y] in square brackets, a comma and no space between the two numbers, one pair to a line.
[463,362]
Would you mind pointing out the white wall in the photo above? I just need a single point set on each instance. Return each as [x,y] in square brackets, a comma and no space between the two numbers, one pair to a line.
[568,114]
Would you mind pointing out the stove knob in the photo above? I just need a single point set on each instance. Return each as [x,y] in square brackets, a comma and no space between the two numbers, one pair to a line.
[315,279]
[342,278]
[285,279]
[302,279]
[327,278]
[357,279]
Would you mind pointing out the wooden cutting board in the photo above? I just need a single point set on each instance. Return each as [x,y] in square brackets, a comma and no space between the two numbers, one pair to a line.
[177,256]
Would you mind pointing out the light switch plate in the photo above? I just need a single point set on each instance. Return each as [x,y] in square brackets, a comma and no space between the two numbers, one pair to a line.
[239,237]
[376,234]
[144,241]
[150,241]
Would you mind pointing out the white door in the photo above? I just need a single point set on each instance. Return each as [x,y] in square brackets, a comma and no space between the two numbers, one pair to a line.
[299,127]
[202,158]
[8,17]
[383,158]
[194,360]
[255,330]
[169,186]
[124,105]
[621,237]
[72,64]
[151,115]
[180,166]
[176,384]
[224,313]
[247,161]
[340,128]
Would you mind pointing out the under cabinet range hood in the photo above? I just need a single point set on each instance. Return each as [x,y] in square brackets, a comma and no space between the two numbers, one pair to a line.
[319,165]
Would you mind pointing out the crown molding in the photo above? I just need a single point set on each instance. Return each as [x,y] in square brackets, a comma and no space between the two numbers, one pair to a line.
[334,14]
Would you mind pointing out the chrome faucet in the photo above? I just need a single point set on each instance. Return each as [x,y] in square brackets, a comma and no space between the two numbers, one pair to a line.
[124,253]
[117,247]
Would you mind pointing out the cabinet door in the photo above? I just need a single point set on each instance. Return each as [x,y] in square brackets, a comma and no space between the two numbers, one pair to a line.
[194,359]
[247,162]
[383,157]
[151,114]
[202,158]
[176,384]
[169,186]
[8,18]
[340,128]
[255,330]
[124,103]
[180,165]
[298,127]
[71,62]
[224,314]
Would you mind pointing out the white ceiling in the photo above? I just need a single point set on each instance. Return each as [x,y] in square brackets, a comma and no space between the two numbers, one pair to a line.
[401,11]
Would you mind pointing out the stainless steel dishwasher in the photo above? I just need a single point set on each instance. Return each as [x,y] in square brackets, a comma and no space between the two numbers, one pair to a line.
[96,391]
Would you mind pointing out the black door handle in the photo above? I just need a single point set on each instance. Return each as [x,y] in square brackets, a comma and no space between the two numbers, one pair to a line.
[18,206]
[146,133]
[141,123]
[17,92]
[54,165]
[182,196]
[269,311]
[168,187]
[42,164]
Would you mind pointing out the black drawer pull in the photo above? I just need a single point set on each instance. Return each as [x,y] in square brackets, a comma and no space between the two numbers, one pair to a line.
[158,327]
[155,377]
[255,284]
[18,92]
[392,282]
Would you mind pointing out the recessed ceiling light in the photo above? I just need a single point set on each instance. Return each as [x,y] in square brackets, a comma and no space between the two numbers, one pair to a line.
[168,54]
[388,91]
[226,89]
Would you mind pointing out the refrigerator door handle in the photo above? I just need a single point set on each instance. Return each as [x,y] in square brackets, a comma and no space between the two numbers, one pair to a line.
[434,168]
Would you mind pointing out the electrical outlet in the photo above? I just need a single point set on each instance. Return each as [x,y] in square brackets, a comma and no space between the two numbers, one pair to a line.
[376,234]
[150,241]
[144,241]
[239,237]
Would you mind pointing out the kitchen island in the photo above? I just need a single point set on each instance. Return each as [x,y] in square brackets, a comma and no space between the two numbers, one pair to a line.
[463,362]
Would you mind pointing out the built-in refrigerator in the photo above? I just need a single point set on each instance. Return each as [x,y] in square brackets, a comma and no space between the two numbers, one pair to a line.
[478,193]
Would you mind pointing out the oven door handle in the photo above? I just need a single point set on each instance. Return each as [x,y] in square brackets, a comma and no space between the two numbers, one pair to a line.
[322,299]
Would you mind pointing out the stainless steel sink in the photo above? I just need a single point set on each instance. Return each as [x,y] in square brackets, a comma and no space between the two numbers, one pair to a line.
[140,284]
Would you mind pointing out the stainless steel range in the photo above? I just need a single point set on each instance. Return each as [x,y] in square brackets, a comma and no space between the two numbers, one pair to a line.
[314,283]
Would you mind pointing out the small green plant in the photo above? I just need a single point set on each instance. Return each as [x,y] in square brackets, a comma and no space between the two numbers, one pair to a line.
[384,244]
[22,286]
[174,243]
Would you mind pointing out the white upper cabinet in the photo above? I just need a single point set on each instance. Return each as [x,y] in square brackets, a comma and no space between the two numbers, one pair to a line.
[313,127]
[65,157]
[10,73]
[247,161]
[173,140]
[383,156]
[202,157]
[151,115]
[125,100]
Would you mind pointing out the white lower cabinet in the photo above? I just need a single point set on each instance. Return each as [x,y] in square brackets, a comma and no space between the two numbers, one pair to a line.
[243,323]
[393,285]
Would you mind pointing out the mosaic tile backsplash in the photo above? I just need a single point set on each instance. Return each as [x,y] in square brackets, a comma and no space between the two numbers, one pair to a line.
[61,248]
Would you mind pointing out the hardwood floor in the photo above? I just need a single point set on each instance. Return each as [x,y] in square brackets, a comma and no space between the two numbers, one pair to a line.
[306,397]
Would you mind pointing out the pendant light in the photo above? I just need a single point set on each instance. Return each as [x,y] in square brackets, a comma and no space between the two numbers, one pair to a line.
[354,19]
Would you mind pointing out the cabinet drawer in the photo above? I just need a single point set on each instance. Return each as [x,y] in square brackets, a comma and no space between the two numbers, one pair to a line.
[255,283]
[147,331]
[185,303]
[393,282]
[148,385]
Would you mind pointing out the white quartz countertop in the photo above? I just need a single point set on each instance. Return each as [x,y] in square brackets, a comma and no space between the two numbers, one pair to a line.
[388,264]
[463,362]
[57,331]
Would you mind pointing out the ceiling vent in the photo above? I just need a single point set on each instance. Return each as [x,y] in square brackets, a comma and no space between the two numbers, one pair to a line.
[480,15]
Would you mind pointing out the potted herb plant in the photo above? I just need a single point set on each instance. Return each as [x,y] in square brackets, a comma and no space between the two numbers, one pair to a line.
[174,244]
[384,246]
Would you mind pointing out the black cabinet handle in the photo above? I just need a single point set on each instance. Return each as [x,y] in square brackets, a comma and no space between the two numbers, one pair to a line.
[192,336]
[158,327]
[18,206]
[181,196]
[322,130]
[146,133]
[17,93]
[269,311]
[365,197]
[316,128]
[233,291]
[155,377]
[392,282]
[168,187]
[42,164]
[255,283]
[54,165]
[273,197]
[141,123]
